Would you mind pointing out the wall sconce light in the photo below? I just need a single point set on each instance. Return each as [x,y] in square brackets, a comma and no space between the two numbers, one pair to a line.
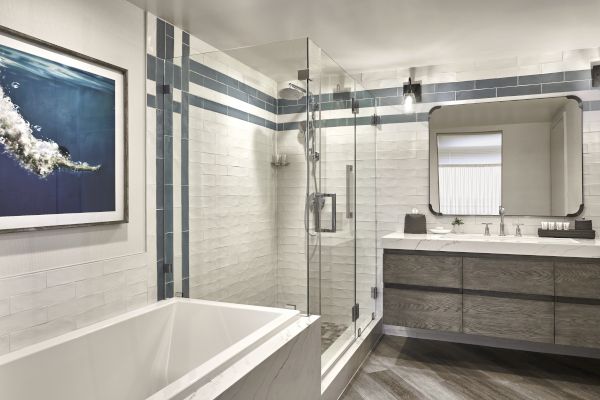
[411,95]
[596,74]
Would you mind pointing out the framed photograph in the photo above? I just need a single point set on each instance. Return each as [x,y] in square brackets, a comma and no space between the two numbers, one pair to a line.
[63,138]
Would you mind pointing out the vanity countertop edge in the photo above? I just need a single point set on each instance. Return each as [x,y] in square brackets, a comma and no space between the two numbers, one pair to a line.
[470,243]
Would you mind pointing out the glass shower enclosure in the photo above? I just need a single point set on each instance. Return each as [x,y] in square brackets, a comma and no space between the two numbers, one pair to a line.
[268,170]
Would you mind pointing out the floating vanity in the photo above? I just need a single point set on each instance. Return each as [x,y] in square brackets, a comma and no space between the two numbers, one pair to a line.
[537,290]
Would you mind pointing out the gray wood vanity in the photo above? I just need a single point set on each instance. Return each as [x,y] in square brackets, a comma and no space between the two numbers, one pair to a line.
[535,298]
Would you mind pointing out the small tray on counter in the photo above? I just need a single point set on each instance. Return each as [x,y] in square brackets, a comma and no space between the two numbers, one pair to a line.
[571,233]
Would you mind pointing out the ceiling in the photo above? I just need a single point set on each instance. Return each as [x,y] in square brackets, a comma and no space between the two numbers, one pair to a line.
[363,35]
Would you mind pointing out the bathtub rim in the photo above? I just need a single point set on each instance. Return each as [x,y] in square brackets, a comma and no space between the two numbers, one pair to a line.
[285,315]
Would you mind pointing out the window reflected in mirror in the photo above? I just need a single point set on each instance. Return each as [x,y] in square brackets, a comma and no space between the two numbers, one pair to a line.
[470,173]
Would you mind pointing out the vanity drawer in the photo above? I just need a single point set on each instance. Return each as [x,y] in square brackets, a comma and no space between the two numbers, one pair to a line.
[575,279]
[422,309]
[509,275]
[509,318]
[577,324]
[422,270]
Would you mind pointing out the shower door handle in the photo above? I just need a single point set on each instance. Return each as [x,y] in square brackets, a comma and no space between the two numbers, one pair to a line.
[321,196]
[349,169]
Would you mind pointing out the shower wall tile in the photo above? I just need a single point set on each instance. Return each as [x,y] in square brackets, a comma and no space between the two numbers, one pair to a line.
[46,304]
[519,90]
[219,186]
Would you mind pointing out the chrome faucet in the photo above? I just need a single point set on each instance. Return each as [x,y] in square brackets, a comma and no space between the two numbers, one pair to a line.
[501,211]
[518,230]
[487,228]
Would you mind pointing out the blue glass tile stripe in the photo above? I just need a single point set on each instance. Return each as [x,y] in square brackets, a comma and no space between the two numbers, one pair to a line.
[449,91]
[200,102]
[185,189]
[161,67]
[214,75]
[446,91]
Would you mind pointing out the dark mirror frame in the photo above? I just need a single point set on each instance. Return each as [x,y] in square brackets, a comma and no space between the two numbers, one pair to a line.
[571,215]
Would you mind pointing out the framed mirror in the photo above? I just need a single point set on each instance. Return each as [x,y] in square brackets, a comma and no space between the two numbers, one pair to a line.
[523,155]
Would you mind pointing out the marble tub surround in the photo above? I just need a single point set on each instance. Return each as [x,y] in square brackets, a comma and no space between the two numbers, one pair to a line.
[474,243]
[287,366]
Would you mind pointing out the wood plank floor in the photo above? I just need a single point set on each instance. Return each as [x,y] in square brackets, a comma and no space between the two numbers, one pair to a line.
[401,368]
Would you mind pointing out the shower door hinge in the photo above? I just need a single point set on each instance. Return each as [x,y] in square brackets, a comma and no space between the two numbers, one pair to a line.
[374,292]
[303,74]
[355,312]
[167,268]
[376,120]
[355,106]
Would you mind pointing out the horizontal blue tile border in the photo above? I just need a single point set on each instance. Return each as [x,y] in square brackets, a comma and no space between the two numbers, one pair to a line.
[569,81]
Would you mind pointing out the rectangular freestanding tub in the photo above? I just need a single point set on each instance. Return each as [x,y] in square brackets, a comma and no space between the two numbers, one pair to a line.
[166,350]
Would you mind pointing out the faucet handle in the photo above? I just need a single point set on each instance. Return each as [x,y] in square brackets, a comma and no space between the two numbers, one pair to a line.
[518,230]
[487,228]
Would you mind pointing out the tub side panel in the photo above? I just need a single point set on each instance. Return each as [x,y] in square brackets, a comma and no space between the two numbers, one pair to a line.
[288,366]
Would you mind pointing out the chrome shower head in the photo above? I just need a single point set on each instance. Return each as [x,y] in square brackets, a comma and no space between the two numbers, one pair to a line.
[292,92]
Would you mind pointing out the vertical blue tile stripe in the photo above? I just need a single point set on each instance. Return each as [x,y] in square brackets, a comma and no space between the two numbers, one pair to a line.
[185,192]
[159,100]
[163,70]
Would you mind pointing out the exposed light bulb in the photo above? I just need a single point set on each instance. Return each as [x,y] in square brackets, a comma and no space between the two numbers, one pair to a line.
[409,101]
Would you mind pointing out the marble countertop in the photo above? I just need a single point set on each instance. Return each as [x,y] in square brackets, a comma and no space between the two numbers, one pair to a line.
[470,243]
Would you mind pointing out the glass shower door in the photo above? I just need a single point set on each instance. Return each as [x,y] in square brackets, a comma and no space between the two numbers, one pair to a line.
[332,205]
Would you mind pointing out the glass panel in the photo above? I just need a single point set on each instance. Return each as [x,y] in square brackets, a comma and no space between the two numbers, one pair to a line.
[235,171]
[260,184]
[222,219]
[366,223]
[336,203]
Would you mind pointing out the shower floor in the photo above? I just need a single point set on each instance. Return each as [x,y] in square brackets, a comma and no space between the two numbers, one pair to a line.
[330,332]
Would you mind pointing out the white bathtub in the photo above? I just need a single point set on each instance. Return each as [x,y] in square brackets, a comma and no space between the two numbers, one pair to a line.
[166,350]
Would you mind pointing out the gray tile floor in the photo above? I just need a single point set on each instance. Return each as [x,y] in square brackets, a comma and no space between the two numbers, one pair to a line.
[402,368]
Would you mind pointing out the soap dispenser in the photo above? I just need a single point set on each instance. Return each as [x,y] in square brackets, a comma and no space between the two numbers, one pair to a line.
[415,222]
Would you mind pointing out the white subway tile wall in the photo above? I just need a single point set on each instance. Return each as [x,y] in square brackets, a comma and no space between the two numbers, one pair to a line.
[232,210]
[233,252]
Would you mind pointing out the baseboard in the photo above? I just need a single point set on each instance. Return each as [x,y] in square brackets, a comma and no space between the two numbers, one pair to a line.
[456,337]
[334,382]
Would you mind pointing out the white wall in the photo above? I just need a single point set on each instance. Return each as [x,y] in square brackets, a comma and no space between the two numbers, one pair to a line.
[55,281]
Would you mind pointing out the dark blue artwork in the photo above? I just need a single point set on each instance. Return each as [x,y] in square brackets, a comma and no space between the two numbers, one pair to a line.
[57,137]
